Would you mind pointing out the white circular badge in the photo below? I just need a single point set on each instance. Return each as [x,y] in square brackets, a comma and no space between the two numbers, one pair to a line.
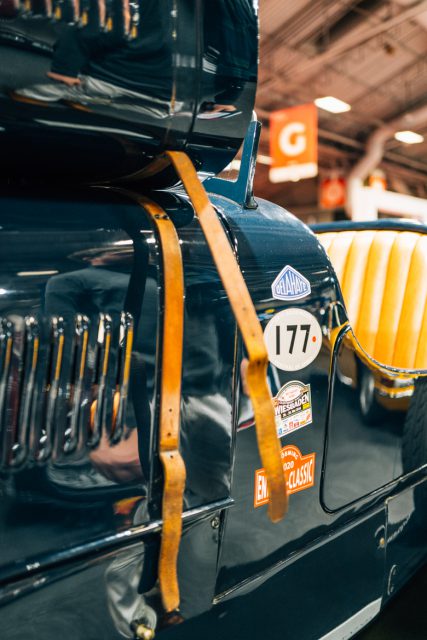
[293,338]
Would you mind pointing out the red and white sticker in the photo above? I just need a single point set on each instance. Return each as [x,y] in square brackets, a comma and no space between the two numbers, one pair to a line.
[292,407]
[299,474]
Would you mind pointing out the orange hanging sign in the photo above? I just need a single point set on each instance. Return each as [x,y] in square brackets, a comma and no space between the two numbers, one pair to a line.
[293,143]
[332,193]
[299,474]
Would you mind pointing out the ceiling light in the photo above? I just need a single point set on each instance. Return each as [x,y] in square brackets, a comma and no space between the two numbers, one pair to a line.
[331,104]
[409,137]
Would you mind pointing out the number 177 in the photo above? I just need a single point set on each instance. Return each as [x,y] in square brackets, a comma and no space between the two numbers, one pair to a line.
[293,329]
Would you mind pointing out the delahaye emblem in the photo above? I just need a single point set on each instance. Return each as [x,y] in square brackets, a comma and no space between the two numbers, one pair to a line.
[290,285]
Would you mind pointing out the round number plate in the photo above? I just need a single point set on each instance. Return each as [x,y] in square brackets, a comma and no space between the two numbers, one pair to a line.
[293,338]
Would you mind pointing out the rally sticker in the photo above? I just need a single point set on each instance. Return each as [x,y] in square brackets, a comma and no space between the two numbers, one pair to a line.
[293,338]
[290,285]
[299,474]
[292,407]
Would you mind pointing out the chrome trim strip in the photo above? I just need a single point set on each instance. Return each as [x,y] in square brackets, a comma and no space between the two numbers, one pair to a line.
[76,433]
[355,623]
[102,362]
[20,447]
[9,387]
[123,376]
[46,441]
[109,542]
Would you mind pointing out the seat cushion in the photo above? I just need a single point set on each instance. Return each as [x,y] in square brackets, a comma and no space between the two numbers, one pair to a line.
[383,278]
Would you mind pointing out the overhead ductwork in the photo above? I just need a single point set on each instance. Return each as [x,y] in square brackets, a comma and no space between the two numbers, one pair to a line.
[363,203]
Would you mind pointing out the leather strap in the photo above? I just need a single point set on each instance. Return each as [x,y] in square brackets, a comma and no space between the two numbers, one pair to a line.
[170,402]
[250,328]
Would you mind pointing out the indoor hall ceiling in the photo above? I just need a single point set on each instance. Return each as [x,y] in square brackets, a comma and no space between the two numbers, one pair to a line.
[370,53]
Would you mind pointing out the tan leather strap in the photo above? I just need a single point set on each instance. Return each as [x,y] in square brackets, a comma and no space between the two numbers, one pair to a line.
[250,328]
[170,403]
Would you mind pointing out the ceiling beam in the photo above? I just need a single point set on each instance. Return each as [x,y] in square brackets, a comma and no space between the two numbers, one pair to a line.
[352,41]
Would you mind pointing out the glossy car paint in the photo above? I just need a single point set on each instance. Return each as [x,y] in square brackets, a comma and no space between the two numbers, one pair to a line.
[91,260]
[142,77]
[77,566]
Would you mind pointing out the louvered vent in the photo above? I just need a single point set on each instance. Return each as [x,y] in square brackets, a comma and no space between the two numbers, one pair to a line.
[63,385]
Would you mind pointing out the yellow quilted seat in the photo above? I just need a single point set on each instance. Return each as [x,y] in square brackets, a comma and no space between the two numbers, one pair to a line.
[383,277]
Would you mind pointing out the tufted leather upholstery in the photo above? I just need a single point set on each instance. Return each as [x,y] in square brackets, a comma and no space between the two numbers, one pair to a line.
[383,277]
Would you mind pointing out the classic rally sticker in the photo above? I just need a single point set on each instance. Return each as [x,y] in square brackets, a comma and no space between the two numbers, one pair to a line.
[299,474]
[290,285]
[293,338]
[292,407]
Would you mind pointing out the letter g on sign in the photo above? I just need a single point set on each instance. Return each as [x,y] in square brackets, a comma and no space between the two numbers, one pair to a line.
[293,139]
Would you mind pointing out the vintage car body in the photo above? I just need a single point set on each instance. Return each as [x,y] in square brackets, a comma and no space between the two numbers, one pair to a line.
[82,309]
[74,543]
[150,78]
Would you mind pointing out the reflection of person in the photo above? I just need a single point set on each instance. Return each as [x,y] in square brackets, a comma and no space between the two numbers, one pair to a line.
[206,394]
[206,414]
[205,404]
[103,287]
[100,66]
[127,607]
[121,463]
[230,54]
[98,288]
[206,448]
[78,45]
